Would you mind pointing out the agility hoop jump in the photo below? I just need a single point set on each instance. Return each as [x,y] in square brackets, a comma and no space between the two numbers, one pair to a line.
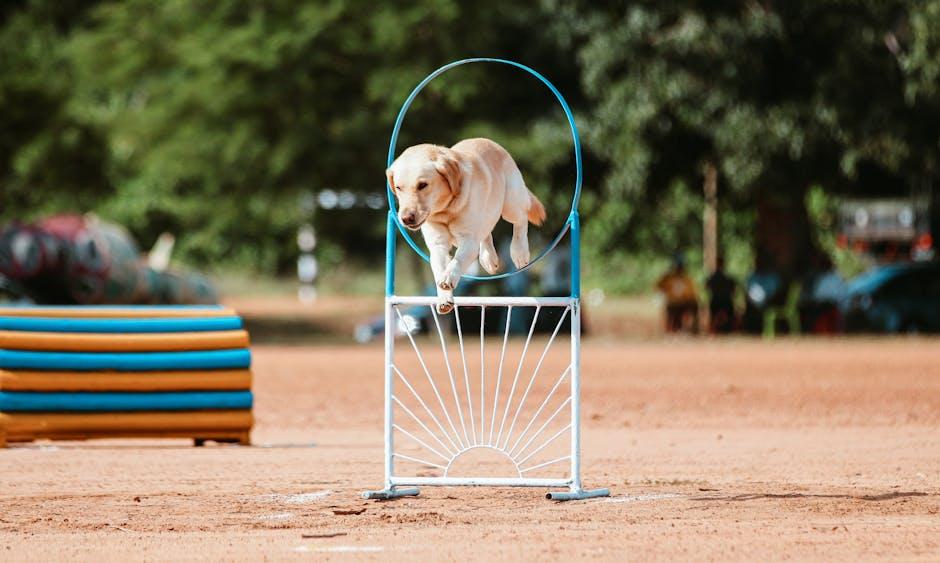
[507,404]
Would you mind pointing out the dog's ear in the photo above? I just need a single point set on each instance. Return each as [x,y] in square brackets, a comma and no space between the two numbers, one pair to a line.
[391,178]
[448,166]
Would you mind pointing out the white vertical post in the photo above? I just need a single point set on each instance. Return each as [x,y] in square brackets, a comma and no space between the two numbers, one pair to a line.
[576,394]
[389,390]
[482,373]
[576,492]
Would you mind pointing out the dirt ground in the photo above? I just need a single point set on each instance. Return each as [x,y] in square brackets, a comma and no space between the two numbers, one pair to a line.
[715,450]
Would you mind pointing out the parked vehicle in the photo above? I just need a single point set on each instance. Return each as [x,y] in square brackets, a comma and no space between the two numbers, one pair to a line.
[894,298]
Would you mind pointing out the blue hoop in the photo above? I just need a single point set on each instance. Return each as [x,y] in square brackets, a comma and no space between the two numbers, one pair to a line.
[572,216]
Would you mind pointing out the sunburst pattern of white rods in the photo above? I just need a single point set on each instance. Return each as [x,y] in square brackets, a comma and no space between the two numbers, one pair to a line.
[444,413]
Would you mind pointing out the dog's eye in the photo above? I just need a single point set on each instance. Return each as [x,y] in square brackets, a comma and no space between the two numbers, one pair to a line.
[422,185]
[397,188]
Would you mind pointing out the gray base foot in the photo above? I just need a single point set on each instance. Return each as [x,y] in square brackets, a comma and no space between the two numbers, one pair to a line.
[386,494]
[579,494]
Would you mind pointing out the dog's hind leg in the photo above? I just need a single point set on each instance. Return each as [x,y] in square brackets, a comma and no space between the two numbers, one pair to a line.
[489,258]
[519,248]
[516,211]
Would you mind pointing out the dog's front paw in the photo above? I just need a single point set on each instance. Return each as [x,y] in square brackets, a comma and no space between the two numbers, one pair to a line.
[450,279]
[445,305]
[520,254]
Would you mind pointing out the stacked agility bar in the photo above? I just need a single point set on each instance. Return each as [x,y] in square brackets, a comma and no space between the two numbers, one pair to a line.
[74,373]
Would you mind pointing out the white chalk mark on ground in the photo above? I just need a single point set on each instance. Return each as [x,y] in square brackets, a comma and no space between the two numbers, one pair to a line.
[302,498]
[279,516]
[640,498]
[340,549]
[350,549]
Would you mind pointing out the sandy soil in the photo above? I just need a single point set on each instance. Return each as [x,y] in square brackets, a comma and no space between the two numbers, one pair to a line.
[720,450]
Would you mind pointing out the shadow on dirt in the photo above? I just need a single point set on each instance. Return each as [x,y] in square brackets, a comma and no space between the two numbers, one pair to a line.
[291,331]
[53,447]
[757,496]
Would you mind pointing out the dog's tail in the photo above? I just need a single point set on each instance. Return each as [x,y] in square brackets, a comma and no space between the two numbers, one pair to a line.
[536,210]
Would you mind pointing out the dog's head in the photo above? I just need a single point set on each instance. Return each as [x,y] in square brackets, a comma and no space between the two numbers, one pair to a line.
[425,179]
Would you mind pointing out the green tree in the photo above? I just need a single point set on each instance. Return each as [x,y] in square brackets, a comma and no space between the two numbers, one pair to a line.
[778,95]
[50,158]
[210,119]
[221,114]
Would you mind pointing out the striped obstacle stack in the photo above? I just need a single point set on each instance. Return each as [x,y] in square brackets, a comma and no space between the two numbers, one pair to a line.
[73,373]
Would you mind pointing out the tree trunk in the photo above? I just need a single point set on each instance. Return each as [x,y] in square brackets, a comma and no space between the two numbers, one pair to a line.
[783,237]
[710,219]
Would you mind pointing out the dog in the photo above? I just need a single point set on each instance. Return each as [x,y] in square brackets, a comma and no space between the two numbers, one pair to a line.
[455,196]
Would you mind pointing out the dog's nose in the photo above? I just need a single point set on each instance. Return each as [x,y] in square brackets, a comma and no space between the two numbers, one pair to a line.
[408,219]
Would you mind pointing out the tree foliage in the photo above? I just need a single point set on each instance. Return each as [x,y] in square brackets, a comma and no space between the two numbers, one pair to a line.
[210,119]
[221,113]
[49,157]
[779,95]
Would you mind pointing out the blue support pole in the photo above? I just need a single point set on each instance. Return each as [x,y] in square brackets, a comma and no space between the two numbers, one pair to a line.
[390,232]
[575,229]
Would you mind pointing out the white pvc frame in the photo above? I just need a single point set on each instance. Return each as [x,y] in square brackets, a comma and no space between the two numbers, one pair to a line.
[456,437]
[404,485]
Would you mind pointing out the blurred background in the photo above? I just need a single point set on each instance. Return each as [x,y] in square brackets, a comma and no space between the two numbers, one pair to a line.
[763,167]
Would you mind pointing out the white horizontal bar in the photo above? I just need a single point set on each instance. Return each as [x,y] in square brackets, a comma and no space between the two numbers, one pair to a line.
[483,481]
[471,301]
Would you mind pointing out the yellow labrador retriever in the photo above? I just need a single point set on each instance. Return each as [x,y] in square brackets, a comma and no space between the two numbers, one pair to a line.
[455,196]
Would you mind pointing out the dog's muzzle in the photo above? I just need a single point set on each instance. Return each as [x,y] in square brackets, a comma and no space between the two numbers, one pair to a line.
[410,220]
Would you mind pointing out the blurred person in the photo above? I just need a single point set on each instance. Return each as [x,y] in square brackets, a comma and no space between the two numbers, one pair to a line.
[763,289]
[517,285]
[555,281]
[823,290]
[721,290]
[681,299]
[555,277]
